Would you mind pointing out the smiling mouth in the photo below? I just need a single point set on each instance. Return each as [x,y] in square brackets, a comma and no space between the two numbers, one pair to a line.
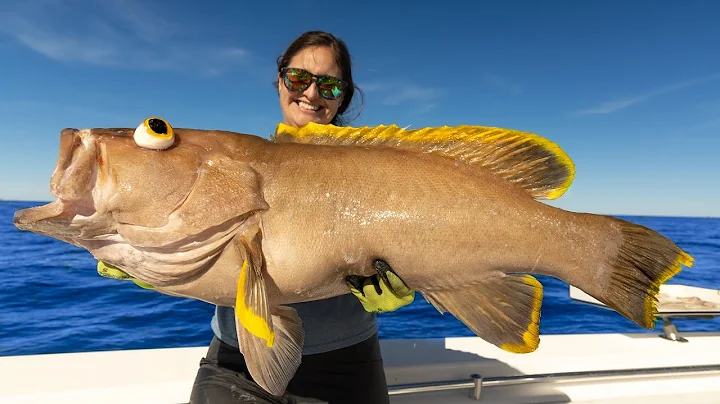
[307,107]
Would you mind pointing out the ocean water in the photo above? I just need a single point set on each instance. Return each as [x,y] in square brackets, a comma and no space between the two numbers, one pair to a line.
[52,300]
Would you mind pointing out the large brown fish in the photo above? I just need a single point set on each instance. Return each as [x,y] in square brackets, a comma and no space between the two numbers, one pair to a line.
[238,220]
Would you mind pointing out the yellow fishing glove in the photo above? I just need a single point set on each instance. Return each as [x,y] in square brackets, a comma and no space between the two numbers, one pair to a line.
[379,293]
[383,292]
[112,272]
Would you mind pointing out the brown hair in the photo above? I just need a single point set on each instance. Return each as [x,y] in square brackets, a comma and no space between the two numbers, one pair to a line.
[342,58]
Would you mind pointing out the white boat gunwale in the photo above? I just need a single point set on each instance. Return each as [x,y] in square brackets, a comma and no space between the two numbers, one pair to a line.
[618,368]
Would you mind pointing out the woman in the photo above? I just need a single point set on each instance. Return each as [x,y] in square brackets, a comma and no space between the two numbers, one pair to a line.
[341,357]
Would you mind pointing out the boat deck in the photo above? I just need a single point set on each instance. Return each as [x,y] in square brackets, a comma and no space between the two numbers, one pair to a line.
[596,368]
[166,375]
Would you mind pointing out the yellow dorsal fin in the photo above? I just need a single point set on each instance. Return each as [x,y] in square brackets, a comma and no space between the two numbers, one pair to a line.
[534,163]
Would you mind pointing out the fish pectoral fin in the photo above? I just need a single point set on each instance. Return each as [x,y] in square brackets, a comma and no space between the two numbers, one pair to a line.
[272,363]
[504,310]
[271,338]
[535,164]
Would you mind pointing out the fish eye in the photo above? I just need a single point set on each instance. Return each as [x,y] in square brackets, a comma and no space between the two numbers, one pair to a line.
[154,133]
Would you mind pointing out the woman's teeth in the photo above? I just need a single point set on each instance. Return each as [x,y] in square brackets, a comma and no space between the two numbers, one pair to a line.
[308,107]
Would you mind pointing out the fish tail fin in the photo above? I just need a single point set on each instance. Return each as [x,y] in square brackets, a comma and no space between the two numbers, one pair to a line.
[644,260]
[503,309]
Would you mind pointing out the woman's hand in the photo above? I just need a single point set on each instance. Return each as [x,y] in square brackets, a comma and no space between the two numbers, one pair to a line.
[383,292]
[109,271]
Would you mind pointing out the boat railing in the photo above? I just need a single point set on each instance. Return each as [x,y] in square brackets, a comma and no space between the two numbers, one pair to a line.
[674,302]
[476,383]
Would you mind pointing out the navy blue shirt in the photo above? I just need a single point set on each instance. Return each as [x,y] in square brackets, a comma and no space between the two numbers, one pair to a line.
[329,324]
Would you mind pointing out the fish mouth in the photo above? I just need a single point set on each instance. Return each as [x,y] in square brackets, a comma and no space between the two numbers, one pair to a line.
[54,220]
[72,182]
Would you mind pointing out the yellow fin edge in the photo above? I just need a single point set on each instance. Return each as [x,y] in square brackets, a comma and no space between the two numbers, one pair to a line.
[283,128]
[255,324]
[566,162]
[531,337]
[651,300]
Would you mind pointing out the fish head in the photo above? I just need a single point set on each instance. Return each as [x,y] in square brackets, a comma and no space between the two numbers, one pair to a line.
[104,175]
[120,190]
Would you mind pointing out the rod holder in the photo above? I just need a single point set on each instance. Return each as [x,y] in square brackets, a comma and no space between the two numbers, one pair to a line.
[476,391]
[670,331]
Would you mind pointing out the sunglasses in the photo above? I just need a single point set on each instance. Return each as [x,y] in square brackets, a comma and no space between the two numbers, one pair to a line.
[298,80]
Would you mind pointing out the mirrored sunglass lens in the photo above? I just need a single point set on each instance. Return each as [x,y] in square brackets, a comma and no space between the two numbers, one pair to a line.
[330,87]
[297,74]
[297,80]
[331,93]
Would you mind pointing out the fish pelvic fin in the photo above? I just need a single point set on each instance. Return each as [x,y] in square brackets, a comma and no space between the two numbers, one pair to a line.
[504,310]
[644,260]
[271,337]
[534,163]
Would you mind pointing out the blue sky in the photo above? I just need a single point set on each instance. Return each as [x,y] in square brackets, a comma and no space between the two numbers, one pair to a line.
[631,90]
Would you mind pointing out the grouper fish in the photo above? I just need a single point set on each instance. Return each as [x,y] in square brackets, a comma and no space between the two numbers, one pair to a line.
[256,224]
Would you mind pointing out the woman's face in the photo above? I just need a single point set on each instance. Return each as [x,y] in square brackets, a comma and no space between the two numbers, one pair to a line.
[300,108]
